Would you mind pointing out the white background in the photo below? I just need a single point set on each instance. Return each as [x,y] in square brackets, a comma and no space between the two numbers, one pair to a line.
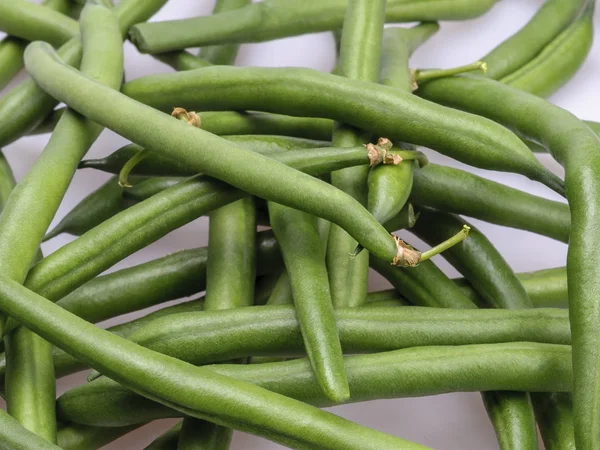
[448,422]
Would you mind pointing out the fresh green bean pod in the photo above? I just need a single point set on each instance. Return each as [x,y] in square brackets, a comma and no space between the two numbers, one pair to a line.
[251,172]
[26,106]
[33,22]
[167,440]
[30,386]
[203,435]
[512,415]
[554,414]
[182,60]
[196,391]
[14,435]
[223,54]
[460,192]
[424,285]
[522,366]
[558,61]
[383,110]
[281,18]
[83,437]
[282,291]
[148,188]
[7,181]
[304,260]
[515,52]
[577,148]
[241,123]
[264,287]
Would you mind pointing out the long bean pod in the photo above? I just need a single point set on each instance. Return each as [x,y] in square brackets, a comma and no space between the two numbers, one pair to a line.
[554,414]
[82,437]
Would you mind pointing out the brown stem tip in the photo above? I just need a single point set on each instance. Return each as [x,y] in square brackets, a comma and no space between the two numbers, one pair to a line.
[406,256]
[191,117]
[379,153]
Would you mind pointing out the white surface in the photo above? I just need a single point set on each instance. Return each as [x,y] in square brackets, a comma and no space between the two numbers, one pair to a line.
[447,422]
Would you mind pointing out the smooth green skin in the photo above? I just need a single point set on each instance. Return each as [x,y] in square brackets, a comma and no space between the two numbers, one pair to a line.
[522,366]
[33,22]
[475,258]
[7,181]
[100,205]
[512,415]
[554,414]
[30,386]
[166,441]
[83,437]
[12,49]
[525,45]
[557,62]
[157,164]
[275,19]
[382,110]
[358,59]
[389,186]
[264,287]
[230,278]
[424,285]
[15,436]
[223,54]
[11,59]
[248,171]
[149,187]
[282,291]
[304,261]
[182,60]
[577,148]
[202,435]
[460,192]
[195,391]
[26,106]
[241,123]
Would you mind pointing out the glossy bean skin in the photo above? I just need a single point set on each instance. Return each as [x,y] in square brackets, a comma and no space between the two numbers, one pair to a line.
[226,123]
[34,22]
[254,173]
[558,61]
[195,391]
[167,440]
[522,366]
[203,435]
[512,415]
[383,110]
[304,260]
[460,192]
[554,414]
[30,389]
[515,52]
[280,18]
[577,148]
[82,437]
[14,435]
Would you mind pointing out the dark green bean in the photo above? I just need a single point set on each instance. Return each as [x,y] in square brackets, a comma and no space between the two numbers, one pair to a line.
[304,261]
[203,435]
[166,441]
[460,192]
[511,413]
[14,435]
[383,110]
[280,18]
[521,366]
[558,61]
[515,52]
[554,414]
[196,391]
[574,145]
[282,291]
[254,173]
[82,437]
[34,22]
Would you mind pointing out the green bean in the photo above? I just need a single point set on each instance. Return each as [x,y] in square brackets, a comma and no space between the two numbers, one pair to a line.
[166,441]
[15,436]
[460,192]
[383,110]
[281,18]
[200,435]
[182,60]
[550,20]
[304,260]
[574,145]
[195,391]
[557,62]
[251,172]
[399,373]
[265,285]
[554,414]
[282,291]
[358,59]
[512,416]
[34,22]
[24,107]
[7,181]
[148,188]
[30,389]
[82,437]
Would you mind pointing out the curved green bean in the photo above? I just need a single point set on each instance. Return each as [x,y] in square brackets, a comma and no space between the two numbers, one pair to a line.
[554,414]
[512,415]
[83,437]
[167,440]
[14,435]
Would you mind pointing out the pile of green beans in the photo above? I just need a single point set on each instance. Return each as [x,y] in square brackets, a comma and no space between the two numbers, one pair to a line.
[305,178]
